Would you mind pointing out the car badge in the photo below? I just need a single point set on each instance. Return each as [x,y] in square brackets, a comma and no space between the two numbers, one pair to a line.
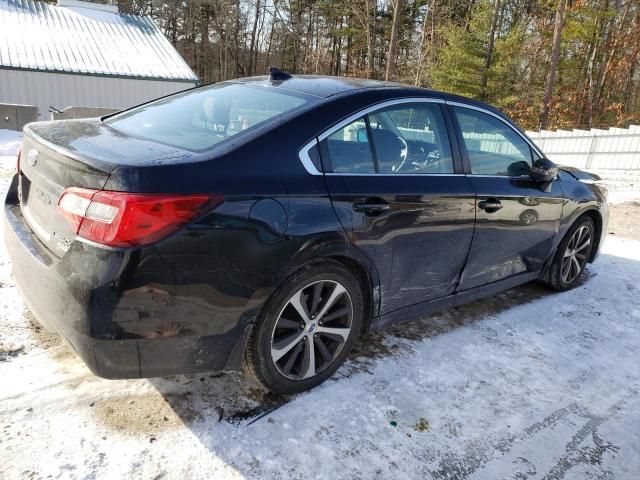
[32,157]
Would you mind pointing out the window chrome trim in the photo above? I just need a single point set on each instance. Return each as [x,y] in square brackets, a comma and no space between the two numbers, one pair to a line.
[303,154]
[488,175]
[503,120]
[338,174]
[309,166]
[378,106]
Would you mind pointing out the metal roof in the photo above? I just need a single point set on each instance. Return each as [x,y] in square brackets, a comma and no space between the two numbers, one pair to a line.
[44,37]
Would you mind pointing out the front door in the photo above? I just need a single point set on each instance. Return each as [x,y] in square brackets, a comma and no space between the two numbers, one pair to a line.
[517,219]
[393,184]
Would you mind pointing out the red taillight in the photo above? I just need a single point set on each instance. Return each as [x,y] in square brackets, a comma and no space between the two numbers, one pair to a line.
[18,160]
[120,219]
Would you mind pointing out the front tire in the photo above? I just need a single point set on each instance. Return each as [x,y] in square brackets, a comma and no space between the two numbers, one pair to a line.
[306,329]
[573,255]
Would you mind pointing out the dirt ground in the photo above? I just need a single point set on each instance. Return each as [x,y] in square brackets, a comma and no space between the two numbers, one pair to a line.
[624,202]
[625,220]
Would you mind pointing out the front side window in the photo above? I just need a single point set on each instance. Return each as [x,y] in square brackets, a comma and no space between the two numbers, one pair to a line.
[403,139]
[201,118]
[493,147]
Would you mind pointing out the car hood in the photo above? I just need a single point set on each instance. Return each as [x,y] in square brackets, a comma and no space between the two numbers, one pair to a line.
[580,174]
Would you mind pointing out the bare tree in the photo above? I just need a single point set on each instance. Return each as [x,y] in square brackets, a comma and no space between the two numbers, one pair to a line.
[447,44]
[393,43]
[553,65]
[489,52]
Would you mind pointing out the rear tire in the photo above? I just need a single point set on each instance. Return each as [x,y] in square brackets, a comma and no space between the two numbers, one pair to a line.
[306,329]
[572,256]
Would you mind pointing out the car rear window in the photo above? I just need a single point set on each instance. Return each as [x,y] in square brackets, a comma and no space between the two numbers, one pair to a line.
[201,118]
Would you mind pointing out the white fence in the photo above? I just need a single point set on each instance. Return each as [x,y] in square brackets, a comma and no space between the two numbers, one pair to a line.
[491,142]
[615,148]
[485,142]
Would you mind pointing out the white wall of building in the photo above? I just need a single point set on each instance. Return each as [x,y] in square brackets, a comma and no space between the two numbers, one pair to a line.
[63,90]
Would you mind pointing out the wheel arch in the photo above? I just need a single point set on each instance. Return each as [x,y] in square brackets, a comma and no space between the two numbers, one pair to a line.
[251,350]
[362,269]
[369,289]
[350,258]
[596,217]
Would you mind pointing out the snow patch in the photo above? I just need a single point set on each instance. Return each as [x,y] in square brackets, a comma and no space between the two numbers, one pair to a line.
[529,383]
[10,141]
[623,185]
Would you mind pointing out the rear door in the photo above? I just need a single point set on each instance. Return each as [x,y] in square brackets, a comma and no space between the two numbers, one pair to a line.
[517,218]
[392,178]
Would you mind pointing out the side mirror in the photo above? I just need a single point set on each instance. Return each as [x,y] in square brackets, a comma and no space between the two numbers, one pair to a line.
[544,170]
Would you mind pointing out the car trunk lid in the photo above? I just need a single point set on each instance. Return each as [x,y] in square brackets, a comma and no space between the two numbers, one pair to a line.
[46,170]
[82,154]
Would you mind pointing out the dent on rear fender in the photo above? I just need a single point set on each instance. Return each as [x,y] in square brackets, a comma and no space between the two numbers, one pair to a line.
[159,310]
[204,280]
[212,277]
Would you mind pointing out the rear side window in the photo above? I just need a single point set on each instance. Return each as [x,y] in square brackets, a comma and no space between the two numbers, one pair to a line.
[493,147]
[349,150]
[411,139]
[402,139]
[199,119]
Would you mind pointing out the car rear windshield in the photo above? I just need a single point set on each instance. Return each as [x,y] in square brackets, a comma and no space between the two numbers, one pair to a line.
[201,118]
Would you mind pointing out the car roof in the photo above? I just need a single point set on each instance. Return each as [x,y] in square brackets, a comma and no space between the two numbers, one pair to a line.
[320,85]
[324,87]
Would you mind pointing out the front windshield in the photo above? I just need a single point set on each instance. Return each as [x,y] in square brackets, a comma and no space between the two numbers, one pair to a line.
[199,119]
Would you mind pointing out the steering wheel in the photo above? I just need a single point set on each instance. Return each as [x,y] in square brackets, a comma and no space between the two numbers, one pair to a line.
[404,153]
[422,158]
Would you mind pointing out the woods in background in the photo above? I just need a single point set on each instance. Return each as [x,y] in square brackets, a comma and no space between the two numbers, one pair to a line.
[550,64]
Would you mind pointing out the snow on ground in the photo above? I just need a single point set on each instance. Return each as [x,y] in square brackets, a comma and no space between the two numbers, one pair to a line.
[623,185]
[10,141]
[527,384]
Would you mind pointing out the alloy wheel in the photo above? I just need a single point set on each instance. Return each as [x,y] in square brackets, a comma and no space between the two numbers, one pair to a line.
[576,254]
[311,329]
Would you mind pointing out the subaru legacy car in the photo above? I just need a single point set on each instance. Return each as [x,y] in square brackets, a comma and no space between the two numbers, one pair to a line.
[264,224]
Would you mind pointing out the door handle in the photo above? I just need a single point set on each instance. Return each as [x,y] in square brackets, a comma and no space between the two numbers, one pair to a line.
[371,206]
[490,205]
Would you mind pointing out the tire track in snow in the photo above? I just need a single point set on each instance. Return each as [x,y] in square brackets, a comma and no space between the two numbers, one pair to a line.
[460,468]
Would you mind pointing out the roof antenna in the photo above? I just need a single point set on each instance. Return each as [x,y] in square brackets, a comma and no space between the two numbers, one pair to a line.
[277,74]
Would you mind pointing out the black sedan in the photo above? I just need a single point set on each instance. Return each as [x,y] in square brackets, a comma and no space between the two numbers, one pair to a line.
[268,222]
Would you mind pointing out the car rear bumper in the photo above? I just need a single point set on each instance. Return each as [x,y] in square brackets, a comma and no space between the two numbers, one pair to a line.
[80,296]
